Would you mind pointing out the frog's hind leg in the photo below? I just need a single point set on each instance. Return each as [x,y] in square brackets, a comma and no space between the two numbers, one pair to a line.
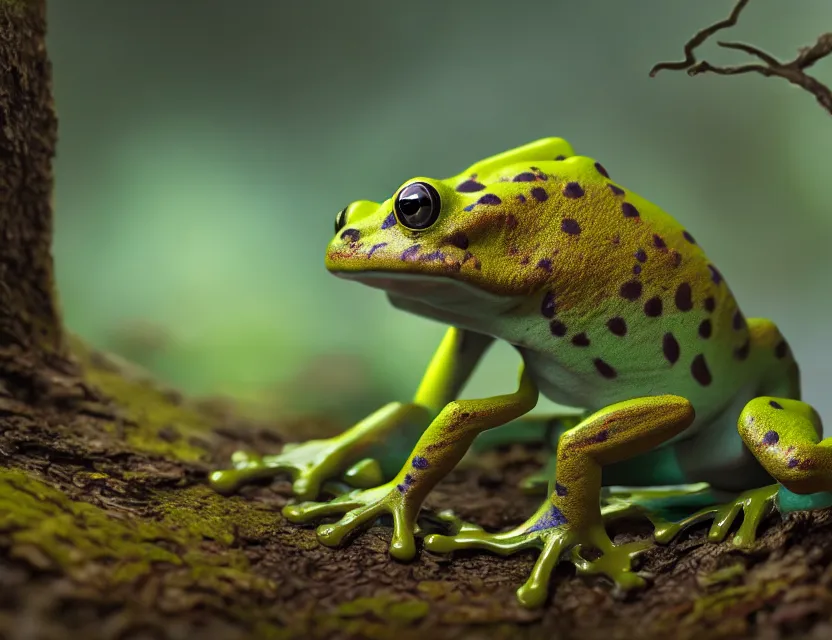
[571,520]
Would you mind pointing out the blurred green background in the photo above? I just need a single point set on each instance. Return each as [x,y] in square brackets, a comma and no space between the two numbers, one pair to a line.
[205,148]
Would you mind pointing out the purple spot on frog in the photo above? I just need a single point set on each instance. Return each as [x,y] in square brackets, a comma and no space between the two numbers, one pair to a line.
[539,194]
[636,269]
[573,190]
[352,234]
[526,176]
[521,197]
[470,207]
[435,255]
[688,237]
[401,488]
[419,462]
[560,489]
[389,221]
[793,463]
[629,210]
[470,186]
[618,191]
[601,436]
[545,263]
[659,242]
[774,404]
[641,255]
[547,307]
[410,253]
[716,276]
[553,518]
[489,198]
[459,240]
[771,437]
[560,158]
[374,248]
[408,479]
[600,169]
[570,226]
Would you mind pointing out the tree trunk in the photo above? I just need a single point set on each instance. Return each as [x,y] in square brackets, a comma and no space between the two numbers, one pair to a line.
[107,529]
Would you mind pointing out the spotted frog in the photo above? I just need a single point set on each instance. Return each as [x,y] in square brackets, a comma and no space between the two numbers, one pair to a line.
[615,309]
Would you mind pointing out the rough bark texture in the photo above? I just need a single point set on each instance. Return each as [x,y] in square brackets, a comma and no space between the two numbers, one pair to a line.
[107,529]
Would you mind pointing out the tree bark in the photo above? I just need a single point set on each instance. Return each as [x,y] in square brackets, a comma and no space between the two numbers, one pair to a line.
[107,529]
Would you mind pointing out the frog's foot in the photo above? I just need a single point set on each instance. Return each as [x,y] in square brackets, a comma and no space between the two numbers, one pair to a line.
[359,510]
[548,531]
[755,505]
[308,464]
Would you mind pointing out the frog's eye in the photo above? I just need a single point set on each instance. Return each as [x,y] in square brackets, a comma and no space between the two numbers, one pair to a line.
[340,219]
[417,205]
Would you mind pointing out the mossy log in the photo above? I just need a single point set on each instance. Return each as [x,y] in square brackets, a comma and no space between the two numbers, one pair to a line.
[108,530]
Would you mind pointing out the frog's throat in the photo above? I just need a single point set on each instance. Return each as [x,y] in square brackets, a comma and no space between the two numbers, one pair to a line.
[439,298]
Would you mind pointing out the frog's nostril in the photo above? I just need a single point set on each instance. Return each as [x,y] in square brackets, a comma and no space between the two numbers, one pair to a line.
[340,219]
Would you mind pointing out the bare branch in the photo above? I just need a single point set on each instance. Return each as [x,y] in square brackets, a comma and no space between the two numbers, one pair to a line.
[792,71]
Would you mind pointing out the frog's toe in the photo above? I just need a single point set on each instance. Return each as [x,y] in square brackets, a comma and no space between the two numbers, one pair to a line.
[754,505]
[474,537]
[364,474]
[615,562]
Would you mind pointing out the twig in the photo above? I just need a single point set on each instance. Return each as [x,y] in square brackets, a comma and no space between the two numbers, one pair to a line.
[793,71]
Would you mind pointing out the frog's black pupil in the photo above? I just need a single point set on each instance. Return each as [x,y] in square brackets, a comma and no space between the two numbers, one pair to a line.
[418,206]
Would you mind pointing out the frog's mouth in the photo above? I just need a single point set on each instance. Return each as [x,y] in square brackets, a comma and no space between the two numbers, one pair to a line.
[438,297]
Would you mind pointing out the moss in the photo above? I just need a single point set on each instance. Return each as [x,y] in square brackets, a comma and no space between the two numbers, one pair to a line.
[148,407]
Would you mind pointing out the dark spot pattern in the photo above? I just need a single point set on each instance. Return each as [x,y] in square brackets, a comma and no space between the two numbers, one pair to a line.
[710,304]
[544,263]
[524,177]
[684,297]
[600,169]
[560,489]
[604,369]
[775,404]
[617,326]
[560,158]
[401,488]
[521,197]
[670,348]
[782,349]
[432,256]
[573,190]
[659,242]
[375,248]
[636,269]
[458,240]
[677,257]
[352,234]
[738,321]
[641,255]
[410,252]
[618,191]
[553,518]
[705,328]
[793,462]
[489,198]
[716,276]
[470,186]
[420,462]
[547,306]
[630,290]
[580,340]
[741,352]
[688,237]
[539,194]
[653,307]
[602,436]
[570,226]
[770,438]
[699,370]
[629,210]
[389,221]
[557,328]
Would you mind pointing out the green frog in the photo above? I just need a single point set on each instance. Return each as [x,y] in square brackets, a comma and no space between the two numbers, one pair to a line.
[614,309]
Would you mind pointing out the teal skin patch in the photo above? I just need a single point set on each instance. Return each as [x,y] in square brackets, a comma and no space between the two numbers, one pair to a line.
[788,502]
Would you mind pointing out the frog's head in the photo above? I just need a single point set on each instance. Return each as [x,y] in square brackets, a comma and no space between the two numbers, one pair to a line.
[483,234]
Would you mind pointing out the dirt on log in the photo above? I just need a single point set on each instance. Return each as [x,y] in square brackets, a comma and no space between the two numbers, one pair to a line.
[108,530]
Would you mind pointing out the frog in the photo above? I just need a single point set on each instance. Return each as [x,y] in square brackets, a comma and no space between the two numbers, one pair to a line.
[618,315]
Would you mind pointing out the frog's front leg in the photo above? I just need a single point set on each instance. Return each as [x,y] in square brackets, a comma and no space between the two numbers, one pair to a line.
[571,520]
[313,462]
[438,451]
